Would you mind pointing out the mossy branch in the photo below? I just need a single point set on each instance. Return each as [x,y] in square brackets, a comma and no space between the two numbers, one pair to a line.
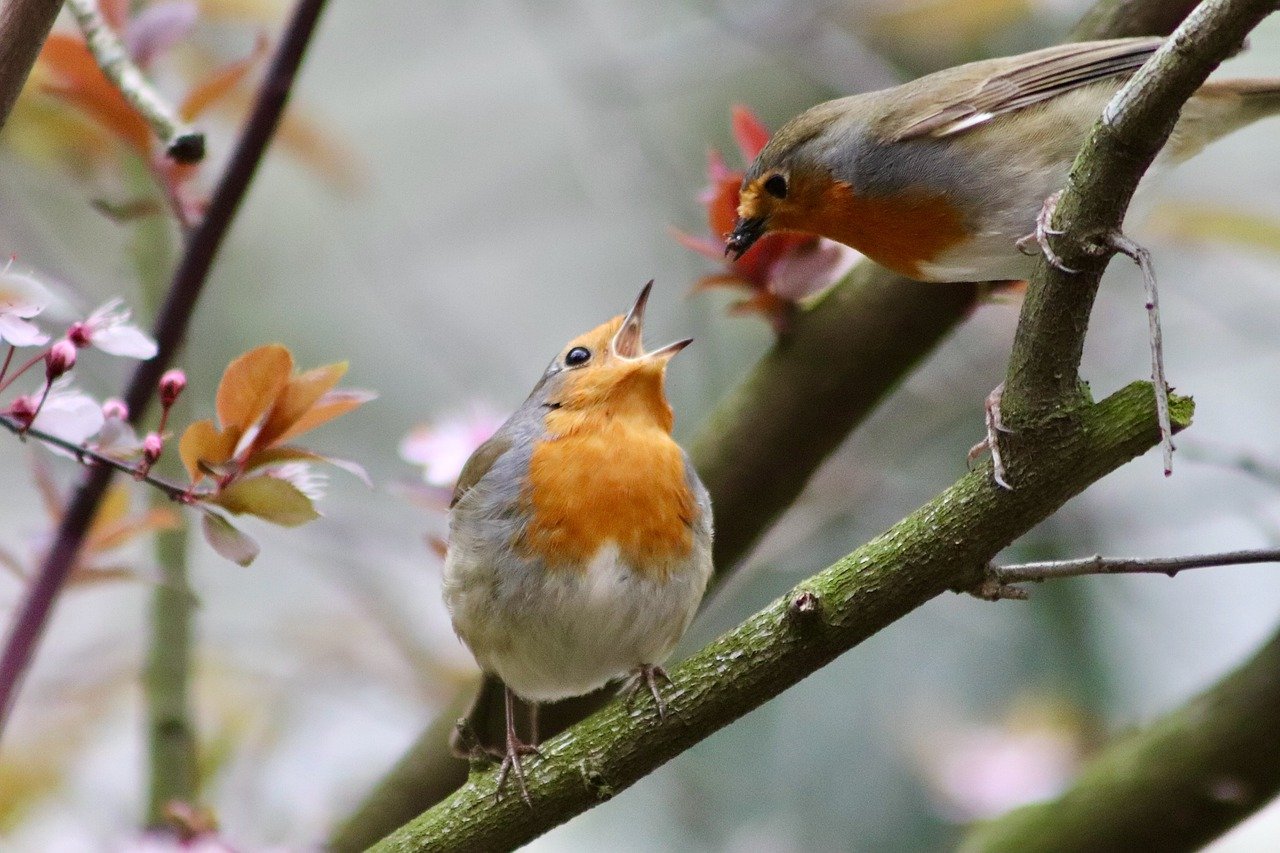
[944,545]
[763,443]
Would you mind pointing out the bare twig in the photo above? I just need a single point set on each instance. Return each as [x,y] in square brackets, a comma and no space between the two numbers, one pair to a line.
[181,141]
[24,25]
[999,580]
[93,457]
[169,330]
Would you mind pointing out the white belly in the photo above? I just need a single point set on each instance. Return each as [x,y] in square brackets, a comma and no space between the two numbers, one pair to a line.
[553,634]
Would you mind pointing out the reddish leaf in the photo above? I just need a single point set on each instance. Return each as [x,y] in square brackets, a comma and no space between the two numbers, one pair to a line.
[328,407]
[749,132]
[300,394]
[221,82]
[251,384]
[80,82]
[202,446]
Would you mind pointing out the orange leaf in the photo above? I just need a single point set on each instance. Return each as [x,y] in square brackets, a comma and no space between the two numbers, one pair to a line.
[221,82]
[81,82]
[300,394]
[202,442]
[154,519]
[251,384]
[328,407]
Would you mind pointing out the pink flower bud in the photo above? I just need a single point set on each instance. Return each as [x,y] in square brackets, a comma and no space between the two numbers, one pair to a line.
[60,358]
[23,409]
[115,409]
[171,385]
[152,447]
[80,334]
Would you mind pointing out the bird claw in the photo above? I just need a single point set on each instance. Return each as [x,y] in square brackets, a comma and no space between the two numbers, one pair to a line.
[510,760]
[1117,241]
[995,426]
[649,675]
[1040,236]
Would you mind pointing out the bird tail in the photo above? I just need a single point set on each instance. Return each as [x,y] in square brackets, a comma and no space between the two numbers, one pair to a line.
[1222,107]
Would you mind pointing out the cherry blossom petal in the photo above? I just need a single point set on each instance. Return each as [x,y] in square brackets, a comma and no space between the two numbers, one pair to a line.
[71,415]
[20,333]
[444,447]
[126,341]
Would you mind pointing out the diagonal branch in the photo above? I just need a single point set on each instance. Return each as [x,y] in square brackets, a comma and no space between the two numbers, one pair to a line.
[169,330]
[943,545]
[765,441]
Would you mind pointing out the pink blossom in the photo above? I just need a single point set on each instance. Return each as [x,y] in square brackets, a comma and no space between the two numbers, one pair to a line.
[21,298]
[109,330]
[443,447]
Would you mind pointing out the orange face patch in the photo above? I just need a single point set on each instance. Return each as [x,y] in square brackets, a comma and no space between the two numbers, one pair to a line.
[899,232]
[599,479]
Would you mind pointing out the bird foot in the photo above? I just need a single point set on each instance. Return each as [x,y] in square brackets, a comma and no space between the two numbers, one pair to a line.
[1040,236]
[648,675]
[1118,242]
[995,426]
[511,761]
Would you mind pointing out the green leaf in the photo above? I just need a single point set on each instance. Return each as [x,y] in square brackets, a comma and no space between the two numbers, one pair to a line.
[227,540]
[269,498]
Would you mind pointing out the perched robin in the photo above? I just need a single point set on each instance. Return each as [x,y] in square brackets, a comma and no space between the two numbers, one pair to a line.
[580,536]
[944,178]
[952,177]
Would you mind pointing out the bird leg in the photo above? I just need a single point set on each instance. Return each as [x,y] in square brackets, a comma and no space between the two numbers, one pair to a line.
[511,757]
[647,674]
[1040,236]
[1140,256]
[995,426]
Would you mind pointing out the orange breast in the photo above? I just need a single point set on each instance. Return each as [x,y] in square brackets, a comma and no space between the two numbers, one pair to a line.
[899,232]
[616,482]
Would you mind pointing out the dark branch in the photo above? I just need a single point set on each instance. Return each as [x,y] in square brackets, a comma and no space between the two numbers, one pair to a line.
[24,25]
[169,330]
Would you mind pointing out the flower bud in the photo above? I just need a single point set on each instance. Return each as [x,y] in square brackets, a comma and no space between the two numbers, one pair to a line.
[152,447]
[171,385]
[80,334]
[23,409]
[60,358]
[115,409]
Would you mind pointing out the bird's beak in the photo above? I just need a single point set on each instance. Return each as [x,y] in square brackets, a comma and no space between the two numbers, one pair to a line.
[746,231]
[628,342]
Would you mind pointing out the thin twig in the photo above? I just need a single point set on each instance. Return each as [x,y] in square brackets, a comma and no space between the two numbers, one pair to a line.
[997,583]
[181,141]
[82,453]
[169,330]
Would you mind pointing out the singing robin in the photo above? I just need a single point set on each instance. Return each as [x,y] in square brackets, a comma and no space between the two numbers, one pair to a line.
[944,178]
[579,534]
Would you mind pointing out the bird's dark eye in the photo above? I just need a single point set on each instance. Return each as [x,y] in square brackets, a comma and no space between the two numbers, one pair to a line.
[576,356]
[776,186]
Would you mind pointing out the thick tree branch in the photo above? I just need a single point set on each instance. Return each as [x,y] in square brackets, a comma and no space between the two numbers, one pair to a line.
[24,25]
[1042,380]
[753,454]
[181,141]
[170,329]
[1173,786]
[943,545]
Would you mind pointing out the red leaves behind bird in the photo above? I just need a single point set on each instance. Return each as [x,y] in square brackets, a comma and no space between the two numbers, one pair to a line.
[780,269]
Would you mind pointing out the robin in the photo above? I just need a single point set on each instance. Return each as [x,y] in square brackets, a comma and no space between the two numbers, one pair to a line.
[944,178]
[579,534]
[952,177]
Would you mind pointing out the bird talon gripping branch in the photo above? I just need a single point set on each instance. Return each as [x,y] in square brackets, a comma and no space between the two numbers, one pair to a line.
[953,177]
[580,536]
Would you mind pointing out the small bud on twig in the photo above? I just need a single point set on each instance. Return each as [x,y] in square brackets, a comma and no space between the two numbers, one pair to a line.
[172,384]
[60,358]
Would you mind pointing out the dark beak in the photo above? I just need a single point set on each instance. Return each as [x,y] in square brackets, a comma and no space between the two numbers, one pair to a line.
[745,233]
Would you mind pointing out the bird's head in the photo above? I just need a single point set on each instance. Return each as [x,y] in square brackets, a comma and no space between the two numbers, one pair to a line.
[606,372]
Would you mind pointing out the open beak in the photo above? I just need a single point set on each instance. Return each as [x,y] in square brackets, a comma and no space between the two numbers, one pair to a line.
[628,342]
[744,235]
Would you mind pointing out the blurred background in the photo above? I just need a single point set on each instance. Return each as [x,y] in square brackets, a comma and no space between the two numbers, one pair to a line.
[463,187]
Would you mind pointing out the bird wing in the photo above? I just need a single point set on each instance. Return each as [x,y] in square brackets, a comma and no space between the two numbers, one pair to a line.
[480,463]
[1031,79]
